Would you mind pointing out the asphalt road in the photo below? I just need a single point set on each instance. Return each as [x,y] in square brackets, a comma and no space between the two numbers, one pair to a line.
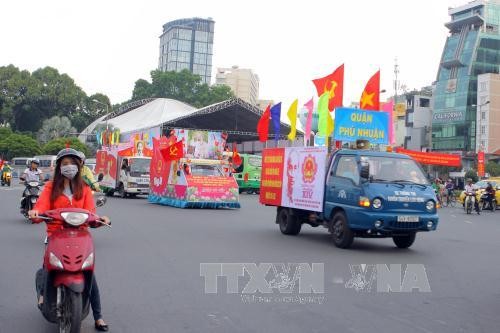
[148,269]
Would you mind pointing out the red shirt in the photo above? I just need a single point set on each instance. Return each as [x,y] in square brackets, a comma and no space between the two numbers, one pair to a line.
[43,204]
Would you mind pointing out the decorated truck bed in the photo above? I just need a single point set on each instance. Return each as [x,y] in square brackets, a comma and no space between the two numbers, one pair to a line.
[192,181]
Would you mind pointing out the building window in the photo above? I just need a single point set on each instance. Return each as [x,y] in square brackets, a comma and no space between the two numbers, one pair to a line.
[483,115]
[424,102]
[483,129]
[483,86]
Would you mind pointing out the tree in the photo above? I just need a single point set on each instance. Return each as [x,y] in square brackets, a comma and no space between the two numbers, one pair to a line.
[182,86]
[54,128]
[27,99]
[16,145]
[472,174]
[54,146]
[493,169]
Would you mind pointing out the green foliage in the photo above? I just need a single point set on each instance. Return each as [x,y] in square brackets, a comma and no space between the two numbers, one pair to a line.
[17,145]
[493,168]
[472,174]
[5,132]
[182,86]
[54,146]
[27,99]
[54,128]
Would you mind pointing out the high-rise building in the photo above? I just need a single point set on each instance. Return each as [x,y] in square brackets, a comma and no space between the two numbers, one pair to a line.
[418,119]
[472,48]
[243,82]
[488,113]
[188,44]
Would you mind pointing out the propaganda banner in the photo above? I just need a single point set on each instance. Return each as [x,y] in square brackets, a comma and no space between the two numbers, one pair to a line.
[480,164]
[212,189]
[354,124]
[432,158]
[271,181]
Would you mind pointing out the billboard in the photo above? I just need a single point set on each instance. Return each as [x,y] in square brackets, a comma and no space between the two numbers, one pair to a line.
[354,124]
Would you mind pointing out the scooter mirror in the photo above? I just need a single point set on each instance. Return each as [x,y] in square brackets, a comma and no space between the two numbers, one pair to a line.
[101,201]
[100,177]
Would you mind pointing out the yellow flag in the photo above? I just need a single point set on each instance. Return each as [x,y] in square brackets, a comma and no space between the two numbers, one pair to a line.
[292,115]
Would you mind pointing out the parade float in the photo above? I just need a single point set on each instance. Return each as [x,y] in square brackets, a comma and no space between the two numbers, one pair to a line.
[189,169]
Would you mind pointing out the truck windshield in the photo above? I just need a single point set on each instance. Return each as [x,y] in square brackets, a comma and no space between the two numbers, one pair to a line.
[394,169]
[255,161]
[205,170]
[140,165]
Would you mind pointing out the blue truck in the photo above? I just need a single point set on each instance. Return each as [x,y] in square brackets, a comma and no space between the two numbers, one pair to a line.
[352,193]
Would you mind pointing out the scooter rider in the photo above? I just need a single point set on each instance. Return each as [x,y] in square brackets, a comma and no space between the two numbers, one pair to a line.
[490,191]
[470,188]
[68,190]
[5,168]
[31,174]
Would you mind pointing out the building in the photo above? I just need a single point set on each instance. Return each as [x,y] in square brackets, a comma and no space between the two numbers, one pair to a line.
[263,103]
[418,120]
[472,48]
[243,82]
[488,113]
[188,44]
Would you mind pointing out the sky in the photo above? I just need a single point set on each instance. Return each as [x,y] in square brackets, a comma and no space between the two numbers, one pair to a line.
[105,46]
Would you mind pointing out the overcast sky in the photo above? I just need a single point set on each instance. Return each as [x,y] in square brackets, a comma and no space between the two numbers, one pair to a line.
[105,46]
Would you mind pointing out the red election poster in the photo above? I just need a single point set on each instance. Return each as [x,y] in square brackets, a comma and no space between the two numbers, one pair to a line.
[480,164]
[271,182]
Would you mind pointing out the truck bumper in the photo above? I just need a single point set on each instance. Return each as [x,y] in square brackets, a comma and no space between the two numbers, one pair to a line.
[388,222]
[138,190]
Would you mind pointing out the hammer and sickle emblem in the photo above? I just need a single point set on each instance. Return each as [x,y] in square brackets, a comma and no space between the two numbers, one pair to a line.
[173,151]
[331,91]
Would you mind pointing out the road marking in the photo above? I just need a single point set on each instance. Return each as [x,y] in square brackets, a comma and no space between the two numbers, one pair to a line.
[468,222]
[453,215]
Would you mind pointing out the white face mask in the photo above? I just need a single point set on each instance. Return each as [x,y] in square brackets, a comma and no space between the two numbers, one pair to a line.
[69,171]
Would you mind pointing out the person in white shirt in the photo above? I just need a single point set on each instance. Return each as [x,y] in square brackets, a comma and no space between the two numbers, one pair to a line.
[471,188]
[32,174]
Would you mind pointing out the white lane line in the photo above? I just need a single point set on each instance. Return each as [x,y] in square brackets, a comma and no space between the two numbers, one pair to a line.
[468,222]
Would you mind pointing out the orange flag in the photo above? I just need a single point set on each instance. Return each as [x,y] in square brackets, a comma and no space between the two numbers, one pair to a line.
[370,99]
[334,85]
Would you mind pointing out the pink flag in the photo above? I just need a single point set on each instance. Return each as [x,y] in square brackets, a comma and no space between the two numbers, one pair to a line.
[389,108]
[309,106]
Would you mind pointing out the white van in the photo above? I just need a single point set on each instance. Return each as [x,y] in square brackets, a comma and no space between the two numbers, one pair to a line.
[47,165]
[19,164]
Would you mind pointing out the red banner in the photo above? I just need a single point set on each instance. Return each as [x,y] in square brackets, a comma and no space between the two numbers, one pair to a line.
[480,164]
[272,176]
[432,158]
[212,189]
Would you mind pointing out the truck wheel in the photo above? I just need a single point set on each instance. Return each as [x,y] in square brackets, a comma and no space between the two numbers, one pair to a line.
[404,241]
[289,223]
[109,193]
[341,233]
[121,191]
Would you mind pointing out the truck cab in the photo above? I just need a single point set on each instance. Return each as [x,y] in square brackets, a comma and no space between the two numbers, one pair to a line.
[377,194]
[133,176]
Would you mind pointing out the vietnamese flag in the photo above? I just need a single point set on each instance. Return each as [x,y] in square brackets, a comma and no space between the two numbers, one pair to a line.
[263,125]
[334,85]
[173,152]
[236,157]
[370,99]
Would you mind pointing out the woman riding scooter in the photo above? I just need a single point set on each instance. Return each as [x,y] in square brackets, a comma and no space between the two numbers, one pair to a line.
[68,190]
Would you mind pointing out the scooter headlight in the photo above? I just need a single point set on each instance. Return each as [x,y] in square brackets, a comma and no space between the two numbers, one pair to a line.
[75,219]
[88,262]
[33,184]
[33,200]
[54,261]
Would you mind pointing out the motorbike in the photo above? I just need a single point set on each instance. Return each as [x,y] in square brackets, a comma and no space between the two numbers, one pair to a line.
[30,196]
[6,178]
[470,197]
[65,280]
[485,204]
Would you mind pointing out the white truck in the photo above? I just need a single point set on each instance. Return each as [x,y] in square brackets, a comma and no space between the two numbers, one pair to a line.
[126,175]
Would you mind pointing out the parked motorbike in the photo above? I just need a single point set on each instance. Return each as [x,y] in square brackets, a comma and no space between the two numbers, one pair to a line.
[30,197]
[6,178]
[68,266]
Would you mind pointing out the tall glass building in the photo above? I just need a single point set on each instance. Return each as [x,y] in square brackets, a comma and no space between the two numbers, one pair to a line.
[188,44]
[472,48]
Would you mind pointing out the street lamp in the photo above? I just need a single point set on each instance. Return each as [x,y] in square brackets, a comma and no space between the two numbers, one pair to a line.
[106,105]
[479,126]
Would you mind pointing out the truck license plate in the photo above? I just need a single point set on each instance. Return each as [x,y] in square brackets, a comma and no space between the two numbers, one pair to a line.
[408,218]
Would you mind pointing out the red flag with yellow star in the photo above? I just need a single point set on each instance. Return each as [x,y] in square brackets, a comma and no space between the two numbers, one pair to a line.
[370,99]
[334,85]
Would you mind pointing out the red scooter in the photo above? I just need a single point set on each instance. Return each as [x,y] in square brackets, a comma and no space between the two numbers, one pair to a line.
[66,277]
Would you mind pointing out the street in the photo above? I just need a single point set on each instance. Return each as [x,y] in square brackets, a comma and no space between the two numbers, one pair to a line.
[148,270]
